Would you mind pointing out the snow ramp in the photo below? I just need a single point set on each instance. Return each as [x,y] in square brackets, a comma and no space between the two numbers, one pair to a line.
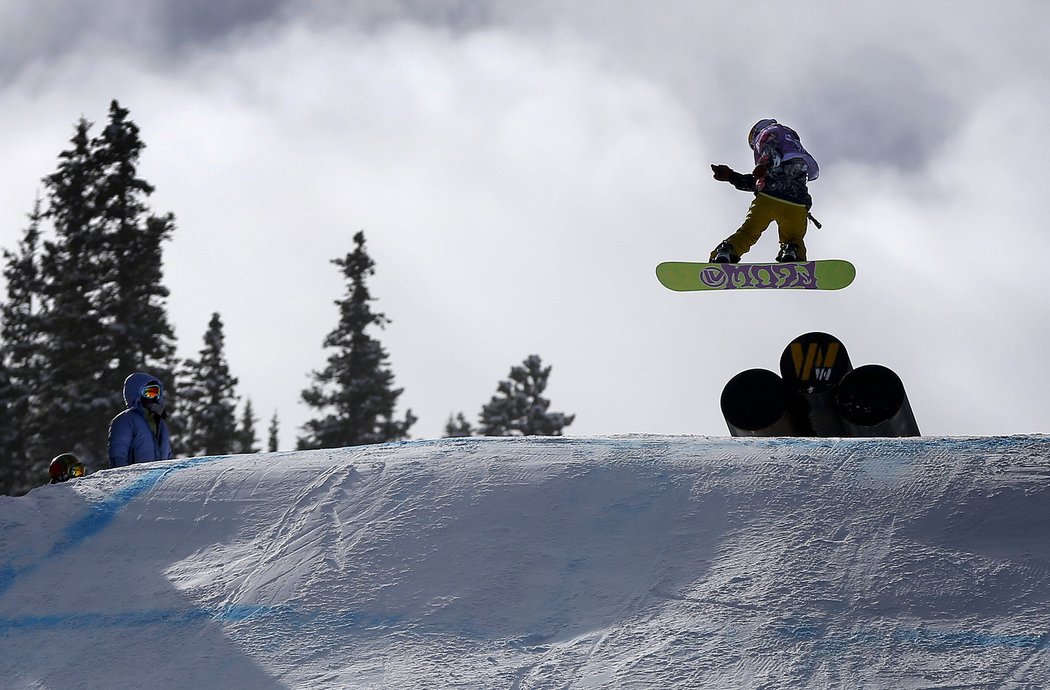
[624,562]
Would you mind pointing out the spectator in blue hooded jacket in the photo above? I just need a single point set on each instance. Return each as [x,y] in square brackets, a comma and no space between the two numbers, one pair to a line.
[139,433]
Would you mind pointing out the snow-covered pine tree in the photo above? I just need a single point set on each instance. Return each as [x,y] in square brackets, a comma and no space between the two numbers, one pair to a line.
[354,393]
[132,304]
[76,401]
[99,297]
[14,468]
[246,442]
[458,427]
[207,399]
[519,409]
[273,433]
[22,455]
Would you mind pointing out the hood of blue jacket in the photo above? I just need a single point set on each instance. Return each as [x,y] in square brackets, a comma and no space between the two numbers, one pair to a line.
[133,387]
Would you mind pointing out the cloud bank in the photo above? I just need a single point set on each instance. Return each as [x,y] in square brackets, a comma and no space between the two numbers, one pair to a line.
[519,171]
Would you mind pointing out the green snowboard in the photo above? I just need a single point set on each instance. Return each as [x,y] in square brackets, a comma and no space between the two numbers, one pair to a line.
[824,274]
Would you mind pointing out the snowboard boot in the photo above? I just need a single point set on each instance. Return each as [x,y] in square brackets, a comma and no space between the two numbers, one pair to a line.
[723,254]
[788,253]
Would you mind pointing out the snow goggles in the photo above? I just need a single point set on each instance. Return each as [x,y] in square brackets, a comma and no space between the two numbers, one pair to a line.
[151,392]
[66,467]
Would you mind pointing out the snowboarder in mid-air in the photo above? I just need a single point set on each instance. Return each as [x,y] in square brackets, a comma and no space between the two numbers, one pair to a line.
[782,168]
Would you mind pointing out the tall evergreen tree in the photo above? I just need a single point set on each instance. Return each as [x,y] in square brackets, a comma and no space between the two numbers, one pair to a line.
[14,468]
[133,299]
[98,302]
[246,442]
[76,403]
[354,393]
[519,409]
[273,433]
[207,399]
[22,454]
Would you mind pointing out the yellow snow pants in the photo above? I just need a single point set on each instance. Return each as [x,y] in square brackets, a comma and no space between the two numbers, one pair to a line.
[791,222]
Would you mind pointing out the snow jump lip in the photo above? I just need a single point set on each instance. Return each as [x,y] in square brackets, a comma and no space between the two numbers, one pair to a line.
[664,561]
[102,513]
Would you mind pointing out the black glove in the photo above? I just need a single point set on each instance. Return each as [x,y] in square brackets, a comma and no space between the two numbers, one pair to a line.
[722,172]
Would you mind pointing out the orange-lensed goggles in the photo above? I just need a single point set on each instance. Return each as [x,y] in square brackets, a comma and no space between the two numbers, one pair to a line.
[151,392]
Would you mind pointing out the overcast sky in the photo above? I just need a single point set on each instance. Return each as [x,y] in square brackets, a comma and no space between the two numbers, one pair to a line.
[519,169]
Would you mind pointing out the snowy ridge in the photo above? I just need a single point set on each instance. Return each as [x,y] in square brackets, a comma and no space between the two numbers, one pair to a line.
[624,562]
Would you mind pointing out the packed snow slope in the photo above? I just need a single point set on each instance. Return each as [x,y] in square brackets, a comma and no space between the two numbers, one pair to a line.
[625,562]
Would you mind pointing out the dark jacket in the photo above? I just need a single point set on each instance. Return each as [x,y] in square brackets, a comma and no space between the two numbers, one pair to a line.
[786,182]
[138,434]
[782,166]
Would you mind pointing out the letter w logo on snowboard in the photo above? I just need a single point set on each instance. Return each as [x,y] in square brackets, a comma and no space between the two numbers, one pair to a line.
[813,362]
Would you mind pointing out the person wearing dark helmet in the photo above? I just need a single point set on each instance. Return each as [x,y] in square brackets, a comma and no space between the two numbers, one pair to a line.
[139,433]
[782,169]
[65,466]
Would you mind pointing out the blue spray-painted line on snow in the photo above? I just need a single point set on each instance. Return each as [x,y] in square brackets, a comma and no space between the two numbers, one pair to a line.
[133,619]
[936,639]
[969,638]
[99,516]
[277,619]
[288,621]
